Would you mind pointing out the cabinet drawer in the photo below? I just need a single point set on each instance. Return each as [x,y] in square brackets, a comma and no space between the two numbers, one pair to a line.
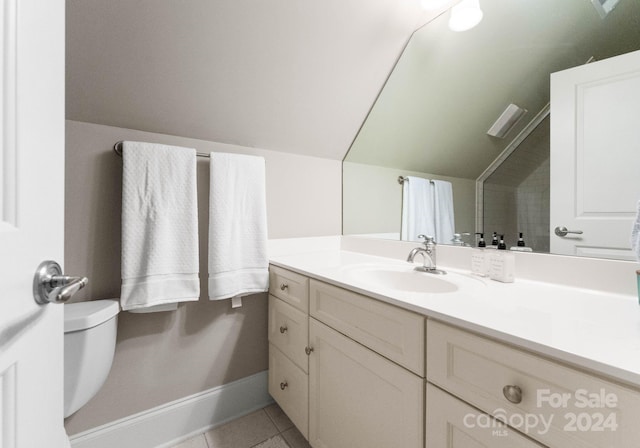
[393,332]
[288,385]
[291,287]
[452,423]
[289,331]
[476,369]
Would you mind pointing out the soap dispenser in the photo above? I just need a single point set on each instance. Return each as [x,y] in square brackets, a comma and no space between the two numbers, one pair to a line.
[501,244]
[520,245]
[494,241]
[502,264]
[480,258]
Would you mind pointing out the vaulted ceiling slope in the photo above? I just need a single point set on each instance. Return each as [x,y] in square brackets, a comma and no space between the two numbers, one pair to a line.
[295,76]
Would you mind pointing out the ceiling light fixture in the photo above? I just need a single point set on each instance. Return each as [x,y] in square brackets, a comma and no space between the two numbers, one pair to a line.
[511,115]
[465,15]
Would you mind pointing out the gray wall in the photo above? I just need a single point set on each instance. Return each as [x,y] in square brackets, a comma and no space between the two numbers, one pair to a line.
[372,199]
[161,357]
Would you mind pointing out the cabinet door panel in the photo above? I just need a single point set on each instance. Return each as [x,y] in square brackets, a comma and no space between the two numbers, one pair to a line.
[357,398]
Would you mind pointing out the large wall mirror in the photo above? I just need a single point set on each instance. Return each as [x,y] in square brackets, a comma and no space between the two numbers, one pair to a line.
[448,88]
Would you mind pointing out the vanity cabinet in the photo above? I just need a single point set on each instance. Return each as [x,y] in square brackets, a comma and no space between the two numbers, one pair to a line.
[361,380]
[352,371]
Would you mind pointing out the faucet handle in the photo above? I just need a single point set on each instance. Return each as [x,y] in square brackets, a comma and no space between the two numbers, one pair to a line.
[427,239]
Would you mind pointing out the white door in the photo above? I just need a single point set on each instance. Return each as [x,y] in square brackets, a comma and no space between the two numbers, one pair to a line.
[595,157]
[31,220]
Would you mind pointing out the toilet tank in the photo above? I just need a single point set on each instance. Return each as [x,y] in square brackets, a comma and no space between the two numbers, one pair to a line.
[89,344]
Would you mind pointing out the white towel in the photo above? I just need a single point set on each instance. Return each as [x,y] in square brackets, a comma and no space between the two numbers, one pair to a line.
[238,262]
[417,208]
[444,217]
[159,227]
[635,233]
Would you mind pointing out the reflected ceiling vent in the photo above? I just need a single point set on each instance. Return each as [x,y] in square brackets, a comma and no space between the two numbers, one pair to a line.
[604,7]
[511,115]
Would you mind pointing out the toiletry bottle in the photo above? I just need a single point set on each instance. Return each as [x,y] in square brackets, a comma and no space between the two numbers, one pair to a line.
[494,241]
[521,246]
[479,258]
[502,264]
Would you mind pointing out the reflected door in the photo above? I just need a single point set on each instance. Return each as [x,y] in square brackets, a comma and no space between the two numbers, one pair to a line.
[595,157]
[31,220]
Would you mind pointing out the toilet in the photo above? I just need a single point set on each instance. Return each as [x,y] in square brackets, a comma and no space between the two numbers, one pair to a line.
[89,344]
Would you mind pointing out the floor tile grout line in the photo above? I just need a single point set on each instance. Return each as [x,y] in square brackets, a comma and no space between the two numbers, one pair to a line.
[273,437]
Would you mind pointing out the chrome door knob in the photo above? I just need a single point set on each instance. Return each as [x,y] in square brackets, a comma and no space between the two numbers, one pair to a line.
[50,286]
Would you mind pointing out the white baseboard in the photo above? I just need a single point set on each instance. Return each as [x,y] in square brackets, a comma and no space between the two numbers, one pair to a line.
[172,423]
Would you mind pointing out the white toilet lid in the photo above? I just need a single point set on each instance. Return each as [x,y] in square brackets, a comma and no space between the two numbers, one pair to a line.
[84,315]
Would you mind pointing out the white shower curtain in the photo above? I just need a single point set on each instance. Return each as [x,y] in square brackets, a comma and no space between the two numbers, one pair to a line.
[427,209]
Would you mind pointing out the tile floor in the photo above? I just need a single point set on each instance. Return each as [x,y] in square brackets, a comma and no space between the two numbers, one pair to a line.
[266,428]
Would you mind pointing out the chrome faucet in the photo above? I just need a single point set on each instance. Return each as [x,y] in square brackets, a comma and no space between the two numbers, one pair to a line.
[428,253]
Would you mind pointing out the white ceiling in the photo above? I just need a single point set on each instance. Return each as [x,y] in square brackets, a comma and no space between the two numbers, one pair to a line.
[286,75]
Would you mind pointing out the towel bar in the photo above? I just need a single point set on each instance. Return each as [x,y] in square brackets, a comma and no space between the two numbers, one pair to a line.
[117,148]
[402,179]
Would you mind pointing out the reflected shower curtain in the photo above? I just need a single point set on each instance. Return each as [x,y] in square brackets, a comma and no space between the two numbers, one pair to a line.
[427,209]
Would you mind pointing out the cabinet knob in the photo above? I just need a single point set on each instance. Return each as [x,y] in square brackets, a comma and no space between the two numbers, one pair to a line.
[283,286]
[284,385]
[512,393]
[283,329]
[308,350]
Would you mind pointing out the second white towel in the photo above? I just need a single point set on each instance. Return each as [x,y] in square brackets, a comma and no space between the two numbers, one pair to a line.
[238,261]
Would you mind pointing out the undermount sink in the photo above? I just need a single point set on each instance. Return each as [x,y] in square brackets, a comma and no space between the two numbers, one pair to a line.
[400,278]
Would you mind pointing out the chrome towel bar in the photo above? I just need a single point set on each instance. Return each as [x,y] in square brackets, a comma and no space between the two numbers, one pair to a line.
[117,148]
[402,179]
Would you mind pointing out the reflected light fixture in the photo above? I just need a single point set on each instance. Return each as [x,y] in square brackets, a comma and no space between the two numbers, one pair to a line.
[432,4]
[465,15]
[505,122]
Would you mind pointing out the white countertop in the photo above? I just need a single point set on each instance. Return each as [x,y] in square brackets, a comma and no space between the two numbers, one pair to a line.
[595,330]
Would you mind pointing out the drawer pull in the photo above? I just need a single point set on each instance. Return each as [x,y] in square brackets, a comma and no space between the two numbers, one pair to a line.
[283,286]
[283,329]
[512,393]
[284,385]
[308,350]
